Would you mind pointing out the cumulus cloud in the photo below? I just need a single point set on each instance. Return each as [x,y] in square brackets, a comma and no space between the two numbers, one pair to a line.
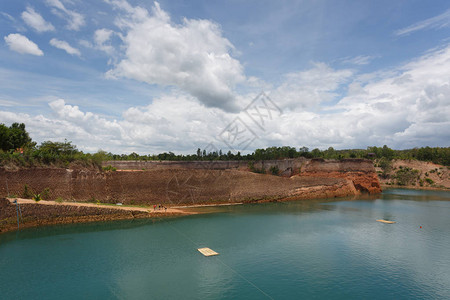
[193,55]
[436,22]
[164,125]
[36,21]
[63,45]
[404,107]
[310,88]
[74,20]
[398,107]
[21,44]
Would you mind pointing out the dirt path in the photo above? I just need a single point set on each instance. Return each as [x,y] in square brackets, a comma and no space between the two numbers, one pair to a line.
[120,207]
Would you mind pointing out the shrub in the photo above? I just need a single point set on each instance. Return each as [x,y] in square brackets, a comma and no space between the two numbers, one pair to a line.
[59,200]
[253,169]
[27,193]
[386,166]
[37,197]
[109,168]
[45,194]
[429,180]
[274,170]
[406,176]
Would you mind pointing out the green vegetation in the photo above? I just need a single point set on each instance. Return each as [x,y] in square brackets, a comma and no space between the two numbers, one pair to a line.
[14,137]
[274,170]
[109,168]
[386,165]
[384,155]
[429,180]
[17,148]
[27,193]
[37,197]
[406,176]
[251,166]
[45,194]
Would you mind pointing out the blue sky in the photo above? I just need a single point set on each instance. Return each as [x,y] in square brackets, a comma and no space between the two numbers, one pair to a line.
[148,77]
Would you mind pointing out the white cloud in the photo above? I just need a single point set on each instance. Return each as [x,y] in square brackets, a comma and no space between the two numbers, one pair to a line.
[101,39]
[7,16]
[75,20]
[193,56]
[439,21]
[65,46]
[398,107]
[169,123]
[22,44]
[36,21]
[310,88]
[404,107]
[359,60]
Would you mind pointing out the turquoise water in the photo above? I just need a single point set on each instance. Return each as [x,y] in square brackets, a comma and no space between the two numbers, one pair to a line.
[296,250]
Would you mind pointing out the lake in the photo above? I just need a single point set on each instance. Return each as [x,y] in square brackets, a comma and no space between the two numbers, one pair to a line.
[322,249]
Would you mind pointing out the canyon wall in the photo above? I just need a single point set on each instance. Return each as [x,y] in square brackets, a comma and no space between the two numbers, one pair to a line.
[32,215]
[360,172]
[196,183]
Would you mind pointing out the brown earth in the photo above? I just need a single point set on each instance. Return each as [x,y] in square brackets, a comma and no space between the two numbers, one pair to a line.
[359,172]
[195,185]
[440,175]
[42,213]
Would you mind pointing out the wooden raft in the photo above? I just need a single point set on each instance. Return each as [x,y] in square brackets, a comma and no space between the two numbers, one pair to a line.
[386,222]
[207,252]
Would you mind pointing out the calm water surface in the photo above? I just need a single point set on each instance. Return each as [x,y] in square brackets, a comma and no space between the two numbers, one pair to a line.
[297,250]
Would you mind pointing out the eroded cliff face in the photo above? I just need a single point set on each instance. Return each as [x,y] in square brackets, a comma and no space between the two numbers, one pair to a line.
[40,215]
[318,179]
[360,172]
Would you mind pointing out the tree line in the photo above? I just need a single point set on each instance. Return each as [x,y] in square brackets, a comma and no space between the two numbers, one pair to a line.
[17,147]
[439,155]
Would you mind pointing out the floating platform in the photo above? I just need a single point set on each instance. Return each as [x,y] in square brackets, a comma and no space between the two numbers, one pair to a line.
[386,222]
[207,252]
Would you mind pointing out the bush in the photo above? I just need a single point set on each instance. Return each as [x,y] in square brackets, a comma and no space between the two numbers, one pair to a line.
[37,197]
[274,170]
[429,180]
[386,166]
[27,192]
[45,194]
[109,168]
[406,176]
[253,169]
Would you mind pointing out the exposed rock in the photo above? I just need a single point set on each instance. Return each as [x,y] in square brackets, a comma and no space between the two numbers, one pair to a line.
[360,171]
[179,186]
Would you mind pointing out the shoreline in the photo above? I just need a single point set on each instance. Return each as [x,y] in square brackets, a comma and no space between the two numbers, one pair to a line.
[111,212]
[100,205]
[47,213]
[413,187]
[131,212]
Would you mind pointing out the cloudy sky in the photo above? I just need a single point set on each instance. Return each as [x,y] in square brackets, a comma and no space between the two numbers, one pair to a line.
[150,77]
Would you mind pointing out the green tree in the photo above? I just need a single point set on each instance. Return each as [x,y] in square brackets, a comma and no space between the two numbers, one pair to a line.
[14,137]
